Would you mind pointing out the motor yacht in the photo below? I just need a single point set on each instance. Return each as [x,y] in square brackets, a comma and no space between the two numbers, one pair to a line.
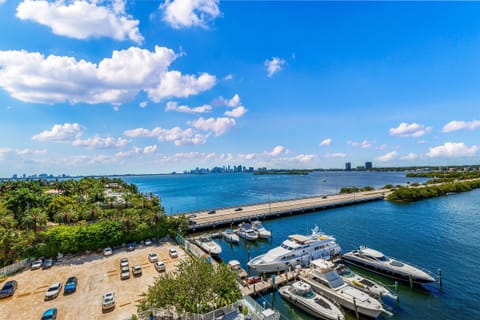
[325,280]
[260,229]
[296,250]
[246,232]
[377,262]
[230,236]
[301,295]
[209,246]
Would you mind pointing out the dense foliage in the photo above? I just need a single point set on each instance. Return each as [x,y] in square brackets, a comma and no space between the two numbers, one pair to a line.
[409,194]
[197,286]
[355,189]
[43,218]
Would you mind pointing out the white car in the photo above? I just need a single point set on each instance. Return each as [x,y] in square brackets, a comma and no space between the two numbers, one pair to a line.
[123,262]
[173,252]
[160,266]
[107,251]
[53,291]
[108,301]
[148,242]
[124,273]
[152,257]
[37,264]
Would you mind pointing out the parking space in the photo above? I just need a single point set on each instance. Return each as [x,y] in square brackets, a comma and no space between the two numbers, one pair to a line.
[96,275]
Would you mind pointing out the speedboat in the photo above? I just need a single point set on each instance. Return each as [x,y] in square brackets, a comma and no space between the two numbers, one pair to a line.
[230,236]
[260,229]
[246,232]
[301,295]
[209,246]
[325,280]
[296,250]
[237,268]
[377,262]
[369,286]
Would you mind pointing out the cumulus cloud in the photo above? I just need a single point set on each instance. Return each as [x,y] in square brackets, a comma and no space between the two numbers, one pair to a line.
[365,144]
[413,130]
[410,157]
[237,112]
[452,150]
[387,157]
[461,125]
[150,149]
[101,143]
[190,13]
[336,155]
[274,65]
[326,142]
[238,109]
[32,77]
[304,157]
[216,125]
[61,133]
[276,151]
[143,104]
[82,19]
[173,106]
[176,135]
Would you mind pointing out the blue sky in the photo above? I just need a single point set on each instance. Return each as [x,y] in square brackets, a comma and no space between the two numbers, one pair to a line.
[112,87]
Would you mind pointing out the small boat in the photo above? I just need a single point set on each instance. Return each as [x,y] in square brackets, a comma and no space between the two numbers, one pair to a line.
[325,280]
[260,229]
[230,236]
[301,295]
[369,286]
[237,268]
[246,232]
[209,246]
[377,262]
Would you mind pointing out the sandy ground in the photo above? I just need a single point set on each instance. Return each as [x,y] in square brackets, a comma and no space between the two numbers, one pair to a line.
[96,275]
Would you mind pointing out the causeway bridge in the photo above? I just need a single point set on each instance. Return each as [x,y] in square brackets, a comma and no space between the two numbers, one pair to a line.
[211,219]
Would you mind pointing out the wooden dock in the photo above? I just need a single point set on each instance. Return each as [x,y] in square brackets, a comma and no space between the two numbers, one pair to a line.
[268,284]
[214,218]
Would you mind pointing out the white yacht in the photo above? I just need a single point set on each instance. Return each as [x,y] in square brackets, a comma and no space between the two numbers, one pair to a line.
[377,262]
[209,246]
[230,236]
[325,280]
[369,286]
[301,295]
[260,229]
[296,250]
[246,232]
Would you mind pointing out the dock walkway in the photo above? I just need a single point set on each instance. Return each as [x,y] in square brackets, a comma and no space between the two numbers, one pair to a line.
[268,284]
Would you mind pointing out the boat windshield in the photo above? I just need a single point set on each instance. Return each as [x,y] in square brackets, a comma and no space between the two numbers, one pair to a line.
[382,258]
[284,246]
[307,294]
[334,279]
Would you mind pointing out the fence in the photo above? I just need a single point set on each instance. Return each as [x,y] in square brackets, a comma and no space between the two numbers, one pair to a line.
[14,267]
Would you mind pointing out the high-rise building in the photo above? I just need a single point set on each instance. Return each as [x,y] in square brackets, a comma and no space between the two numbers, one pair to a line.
[368,165]
[348,166]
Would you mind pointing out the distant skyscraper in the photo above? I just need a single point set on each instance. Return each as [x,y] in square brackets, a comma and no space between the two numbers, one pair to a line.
[368,165]
[348,166]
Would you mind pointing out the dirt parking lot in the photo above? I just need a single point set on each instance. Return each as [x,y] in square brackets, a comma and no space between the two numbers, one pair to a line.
[96,275]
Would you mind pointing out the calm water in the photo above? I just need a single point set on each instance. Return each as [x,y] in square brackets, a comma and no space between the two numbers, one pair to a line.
[436,233]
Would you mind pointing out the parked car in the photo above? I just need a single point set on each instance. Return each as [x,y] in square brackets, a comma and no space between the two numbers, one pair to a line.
[173,252]
[37,264]
[70,285]
[47,263]
[152,257]
[137,270]
[50,314]
[108,301]
[160,266]
[124,273]
[190,216]
[107,251]
[8,289]
[123,262]
[131,246]
[53,291]
[148,242]
[239,209]
[212,212]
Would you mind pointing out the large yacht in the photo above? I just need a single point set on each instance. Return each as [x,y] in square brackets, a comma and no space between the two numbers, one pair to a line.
[209,246]
[377,262]
[301,295]
[296,250]
[260,229]
[325,280]
[246,232]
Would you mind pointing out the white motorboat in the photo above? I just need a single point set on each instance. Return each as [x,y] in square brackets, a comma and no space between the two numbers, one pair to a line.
[246,232]
[325,280]
[230,236]
[377,262]
[296,250]
[301,295]
[237,268]
[260,229]
[209,246]
[369,286]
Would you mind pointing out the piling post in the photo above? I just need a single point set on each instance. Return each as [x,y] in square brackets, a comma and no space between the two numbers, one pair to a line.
[410,279]
[440,281]
[396,287]
[356,308]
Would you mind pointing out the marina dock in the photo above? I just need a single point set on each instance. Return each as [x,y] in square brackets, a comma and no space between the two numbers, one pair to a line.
[210,219]
[270,283]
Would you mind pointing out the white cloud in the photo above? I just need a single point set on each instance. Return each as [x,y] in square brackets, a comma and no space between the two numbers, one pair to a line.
[410,157]
[190,13]
[2,1]
[216,125]
[32,77]
[173,106]
[452,150]
[101,143]
[276,151]
[228,77]
[274,65]
[237,112]
[365,144]
[150,149]
[461,125]
[326,142]
[413,130]
[82,19]
[143,104]
[60,133]
[387,157]
[176,135]
[336,155]
[304,157]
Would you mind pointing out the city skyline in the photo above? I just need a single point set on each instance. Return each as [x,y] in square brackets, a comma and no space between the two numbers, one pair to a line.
[155,87]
